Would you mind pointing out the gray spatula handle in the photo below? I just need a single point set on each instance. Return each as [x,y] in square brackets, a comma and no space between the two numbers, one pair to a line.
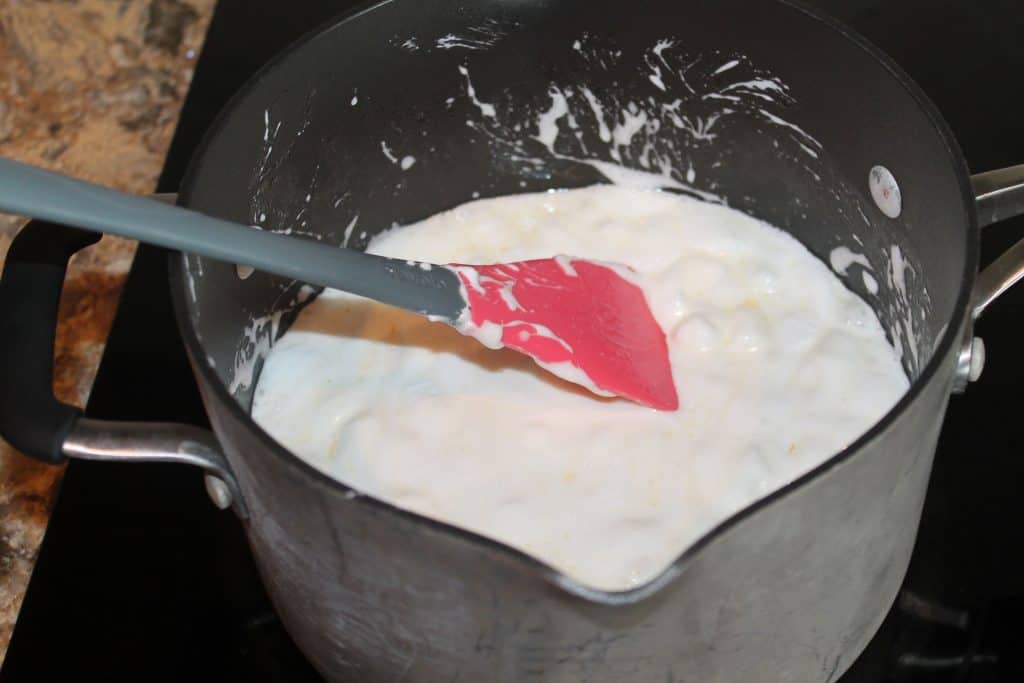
[30,191]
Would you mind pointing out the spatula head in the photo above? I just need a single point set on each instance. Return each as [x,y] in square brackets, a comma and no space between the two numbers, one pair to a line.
[585,321]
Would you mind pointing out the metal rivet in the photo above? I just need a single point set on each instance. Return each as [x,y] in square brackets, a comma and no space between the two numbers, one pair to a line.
[885,191]
[977,359]
[243,272]
[969,364]
[218,491]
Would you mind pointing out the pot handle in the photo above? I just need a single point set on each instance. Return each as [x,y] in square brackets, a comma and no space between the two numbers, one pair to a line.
[998,195]
[32,419]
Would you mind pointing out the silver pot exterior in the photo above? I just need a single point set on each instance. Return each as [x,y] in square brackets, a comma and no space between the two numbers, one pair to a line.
[792,591]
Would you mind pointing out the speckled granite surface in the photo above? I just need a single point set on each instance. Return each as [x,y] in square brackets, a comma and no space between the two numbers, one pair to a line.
[91,88]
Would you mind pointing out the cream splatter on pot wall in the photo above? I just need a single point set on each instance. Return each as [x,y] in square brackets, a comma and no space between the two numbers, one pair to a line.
[647,139]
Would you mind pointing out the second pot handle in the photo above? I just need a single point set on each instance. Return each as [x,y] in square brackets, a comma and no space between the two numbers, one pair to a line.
[999,195]
[32,419]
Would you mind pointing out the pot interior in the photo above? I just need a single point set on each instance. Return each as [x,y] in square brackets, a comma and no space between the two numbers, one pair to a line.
[410,108]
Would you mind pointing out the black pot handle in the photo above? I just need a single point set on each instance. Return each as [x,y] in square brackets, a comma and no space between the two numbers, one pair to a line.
[32,419]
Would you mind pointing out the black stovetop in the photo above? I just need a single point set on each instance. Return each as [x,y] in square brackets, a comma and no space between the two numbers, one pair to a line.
[140,578]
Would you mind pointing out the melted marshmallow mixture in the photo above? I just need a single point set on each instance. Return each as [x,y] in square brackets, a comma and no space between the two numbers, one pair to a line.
[777,366]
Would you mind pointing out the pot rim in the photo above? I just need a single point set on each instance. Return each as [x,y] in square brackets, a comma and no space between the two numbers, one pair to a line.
[933,369]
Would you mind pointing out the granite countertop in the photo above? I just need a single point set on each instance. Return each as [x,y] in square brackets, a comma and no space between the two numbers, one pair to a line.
[93,89]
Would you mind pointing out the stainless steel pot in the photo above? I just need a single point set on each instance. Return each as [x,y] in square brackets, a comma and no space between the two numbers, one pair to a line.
[777,110]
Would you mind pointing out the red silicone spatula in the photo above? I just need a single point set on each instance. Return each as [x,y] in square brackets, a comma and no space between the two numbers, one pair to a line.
[584,321]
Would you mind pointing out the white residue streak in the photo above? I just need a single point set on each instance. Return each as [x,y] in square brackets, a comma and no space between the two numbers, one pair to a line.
[407,162]
[782,122]
[387,152]
[897,275]
[657,51]
[537,330]
[841,258]
[348,230]
[451,41]
[864,218]
[489,334]
[547,122]
[485,108]
[565,263]
[661,46]
[595,106]
[268,134]
[259,337]
[474,38]
[720,96]
[757,85]
[655,78]
[899,267]
[191,284]
[808,150]
[870,283]
[699,127]
[725,67]
[903,318]
[509,299]
[472,275]
[633,120]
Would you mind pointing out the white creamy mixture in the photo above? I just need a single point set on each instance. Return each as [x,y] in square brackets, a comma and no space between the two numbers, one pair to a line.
[777,366]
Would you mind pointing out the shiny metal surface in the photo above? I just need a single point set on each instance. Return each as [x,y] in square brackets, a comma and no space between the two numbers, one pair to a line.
[156,442]
[1002,274]
[969,363]
[218,491]
[977,363]
[1000,195]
